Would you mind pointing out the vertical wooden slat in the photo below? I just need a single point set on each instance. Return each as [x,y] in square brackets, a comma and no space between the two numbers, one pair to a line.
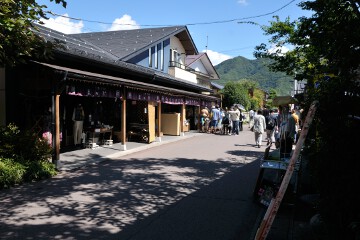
[275,202]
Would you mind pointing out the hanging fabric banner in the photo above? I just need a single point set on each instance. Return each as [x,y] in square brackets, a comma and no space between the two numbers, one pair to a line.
[142,96]
[206,104]
[191,101]
[172,100]
[93,91]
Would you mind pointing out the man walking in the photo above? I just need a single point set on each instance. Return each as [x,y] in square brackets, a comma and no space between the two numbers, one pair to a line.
[271,127]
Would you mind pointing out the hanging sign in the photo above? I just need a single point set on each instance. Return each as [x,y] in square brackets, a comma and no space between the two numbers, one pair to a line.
[93,91]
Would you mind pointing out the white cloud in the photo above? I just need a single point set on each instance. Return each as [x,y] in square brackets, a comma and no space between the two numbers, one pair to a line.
[278,50]
[216,57]
[63,24]
[124,23]
[243,2]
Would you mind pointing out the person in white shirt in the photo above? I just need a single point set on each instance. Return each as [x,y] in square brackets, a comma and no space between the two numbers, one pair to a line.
[259,128]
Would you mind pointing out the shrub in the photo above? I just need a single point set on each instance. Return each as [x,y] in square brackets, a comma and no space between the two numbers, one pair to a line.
[11,172]
[39,170]
[23,145]
[8,139]
[24,157]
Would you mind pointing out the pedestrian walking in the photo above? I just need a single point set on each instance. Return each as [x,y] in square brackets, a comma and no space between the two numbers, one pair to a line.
[259,127]
[251,118]
[271,127]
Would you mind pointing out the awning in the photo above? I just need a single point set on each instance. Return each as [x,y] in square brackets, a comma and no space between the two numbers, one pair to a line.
[284,100]
[85,76]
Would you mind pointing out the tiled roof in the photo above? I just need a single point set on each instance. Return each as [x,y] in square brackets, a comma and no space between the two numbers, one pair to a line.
[218,86]
[75,46]
[126,42]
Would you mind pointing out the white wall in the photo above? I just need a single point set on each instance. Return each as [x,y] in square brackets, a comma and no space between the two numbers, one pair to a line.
[176,45]
[198,66]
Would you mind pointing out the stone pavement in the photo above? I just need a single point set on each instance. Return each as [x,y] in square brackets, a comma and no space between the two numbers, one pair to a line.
[79,158]
[112,202]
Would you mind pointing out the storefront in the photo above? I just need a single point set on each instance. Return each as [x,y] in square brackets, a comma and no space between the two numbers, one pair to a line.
[76,108]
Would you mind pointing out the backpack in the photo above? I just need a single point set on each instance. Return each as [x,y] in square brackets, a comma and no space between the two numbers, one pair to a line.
[270,122]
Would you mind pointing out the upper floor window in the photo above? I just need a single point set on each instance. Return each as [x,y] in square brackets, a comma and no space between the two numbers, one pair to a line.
[150,58]
[156,57]
[162,56]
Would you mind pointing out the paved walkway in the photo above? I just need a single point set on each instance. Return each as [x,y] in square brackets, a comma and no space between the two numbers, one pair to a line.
[76,159]
[162,193]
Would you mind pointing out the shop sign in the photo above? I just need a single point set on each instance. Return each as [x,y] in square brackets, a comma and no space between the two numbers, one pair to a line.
[172,100]
[93,91]
[193,102]
[142,96]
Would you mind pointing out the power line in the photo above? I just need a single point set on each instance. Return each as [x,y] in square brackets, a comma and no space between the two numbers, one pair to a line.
[189,24]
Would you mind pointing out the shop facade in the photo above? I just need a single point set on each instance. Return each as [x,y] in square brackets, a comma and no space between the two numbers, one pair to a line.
[84,97]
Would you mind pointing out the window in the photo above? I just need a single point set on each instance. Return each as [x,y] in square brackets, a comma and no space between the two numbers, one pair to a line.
[150,58]
[156,56]
[162,56]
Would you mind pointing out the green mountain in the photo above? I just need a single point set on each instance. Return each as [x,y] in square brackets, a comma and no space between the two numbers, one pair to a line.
[239,68]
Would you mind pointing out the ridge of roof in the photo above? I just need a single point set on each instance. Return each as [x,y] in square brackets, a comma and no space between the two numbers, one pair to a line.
[123,43]
[192,58]
[74,46]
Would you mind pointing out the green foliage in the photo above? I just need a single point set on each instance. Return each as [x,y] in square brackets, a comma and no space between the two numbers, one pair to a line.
[39,170]
[8,137]
[326,54]
[236,93]
[11,172]
[22,146]
[257,71]
[23,157]
[17,40]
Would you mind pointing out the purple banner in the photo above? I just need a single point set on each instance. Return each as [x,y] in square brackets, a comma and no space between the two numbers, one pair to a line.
[172,100]
[93,91]
[142,96]
[193,102]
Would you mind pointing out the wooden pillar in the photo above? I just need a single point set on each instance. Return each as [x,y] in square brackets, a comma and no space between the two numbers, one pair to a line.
[182,117]
[57,127]
[197,112]
[158,133]
[123,122]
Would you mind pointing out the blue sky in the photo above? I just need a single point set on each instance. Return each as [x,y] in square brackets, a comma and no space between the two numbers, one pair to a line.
[213,25]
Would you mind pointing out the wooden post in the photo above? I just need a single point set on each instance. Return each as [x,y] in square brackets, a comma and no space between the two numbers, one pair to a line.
[198,116]
[158,133]
[123,122]
[57,127]
[270,214]
[182,118]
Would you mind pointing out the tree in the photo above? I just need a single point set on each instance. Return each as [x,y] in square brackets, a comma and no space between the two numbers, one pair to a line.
[326,53]
[17,39]
[235,93]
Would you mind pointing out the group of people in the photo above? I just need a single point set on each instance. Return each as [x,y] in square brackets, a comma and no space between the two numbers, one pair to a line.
[223,121]
[278,127]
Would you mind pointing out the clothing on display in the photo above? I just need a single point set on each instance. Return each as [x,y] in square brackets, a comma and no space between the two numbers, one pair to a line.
[78,118]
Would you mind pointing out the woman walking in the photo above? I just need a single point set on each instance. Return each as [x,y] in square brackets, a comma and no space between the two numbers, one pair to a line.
[259,126]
